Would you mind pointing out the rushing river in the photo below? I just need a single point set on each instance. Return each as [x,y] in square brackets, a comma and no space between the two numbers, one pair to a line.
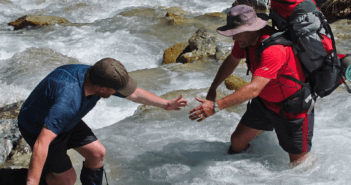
[147,145]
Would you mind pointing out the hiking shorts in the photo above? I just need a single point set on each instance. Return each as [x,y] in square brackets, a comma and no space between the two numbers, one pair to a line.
[57,160]
[294,135]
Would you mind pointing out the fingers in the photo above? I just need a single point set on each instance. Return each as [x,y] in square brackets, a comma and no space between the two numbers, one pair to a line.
[199,116]
[179,97]
[199,99]
[195,109]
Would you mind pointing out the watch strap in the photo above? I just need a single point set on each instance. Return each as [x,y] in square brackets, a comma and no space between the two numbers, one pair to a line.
[215,107]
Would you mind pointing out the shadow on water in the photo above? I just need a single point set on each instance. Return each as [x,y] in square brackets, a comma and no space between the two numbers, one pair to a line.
[186,161]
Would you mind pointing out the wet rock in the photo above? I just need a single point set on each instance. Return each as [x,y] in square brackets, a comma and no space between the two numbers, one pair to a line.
[5,2]
[21,155]
[256,4]
[144,12]
[175,11]
[335,9]
[10,111]
[171,54]
[202,44]
[14,151]
[35,20]
[234,82]
[34,60]
[175,16]
[216,15]
[9,137]
[223,49]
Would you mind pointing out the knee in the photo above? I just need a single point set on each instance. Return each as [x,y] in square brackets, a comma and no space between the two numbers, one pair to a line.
[99,154]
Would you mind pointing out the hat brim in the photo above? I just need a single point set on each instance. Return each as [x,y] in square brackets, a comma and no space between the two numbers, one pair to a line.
[230,31]
[128,89]
[125,91]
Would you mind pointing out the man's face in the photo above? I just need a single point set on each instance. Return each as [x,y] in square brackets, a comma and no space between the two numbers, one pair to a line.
[244,39]
[105,92]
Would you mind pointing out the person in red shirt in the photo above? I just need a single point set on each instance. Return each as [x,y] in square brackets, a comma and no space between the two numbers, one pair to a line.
[266,90]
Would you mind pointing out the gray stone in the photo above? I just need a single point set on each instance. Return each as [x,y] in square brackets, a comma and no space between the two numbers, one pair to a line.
[9,137]
[223,49]
[202,44]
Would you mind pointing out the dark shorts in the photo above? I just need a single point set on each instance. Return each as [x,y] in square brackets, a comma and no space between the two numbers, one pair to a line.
[57,160]
[295,136]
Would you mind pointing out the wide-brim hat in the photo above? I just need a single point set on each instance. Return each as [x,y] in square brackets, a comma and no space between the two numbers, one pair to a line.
[111,73]
[242,18]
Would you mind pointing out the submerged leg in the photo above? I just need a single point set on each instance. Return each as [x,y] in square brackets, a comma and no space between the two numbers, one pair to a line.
[241,137]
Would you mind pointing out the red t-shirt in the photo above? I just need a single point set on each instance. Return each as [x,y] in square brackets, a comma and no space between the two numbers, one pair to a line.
[275,61]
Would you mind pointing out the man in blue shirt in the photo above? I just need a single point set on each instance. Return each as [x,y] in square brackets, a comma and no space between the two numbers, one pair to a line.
[51,122]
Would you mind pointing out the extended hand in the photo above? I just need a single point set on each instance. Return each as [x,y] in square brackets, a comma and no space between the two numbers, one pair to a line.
[202,111]
[176,103]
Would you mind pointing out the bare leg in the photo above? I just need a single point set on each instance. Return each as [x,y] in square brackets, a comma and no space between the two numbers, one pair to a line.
[242,136]
[68,177]
[93,153]
[297,159]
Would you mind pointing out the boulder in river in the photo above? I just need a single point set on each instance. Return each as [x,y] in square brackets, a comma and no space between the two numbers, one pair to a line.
[172,53]
[234,82]
[202,44]
[36,20]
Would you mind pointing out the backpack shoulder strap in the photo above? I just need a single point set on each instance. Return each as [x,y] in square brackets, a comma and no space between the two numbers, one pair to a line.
[274,39]
[247,60]
[280,38]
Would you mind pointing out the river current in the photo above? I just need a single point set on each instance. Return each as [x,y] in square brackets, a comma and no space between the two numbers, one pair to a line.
[147,145]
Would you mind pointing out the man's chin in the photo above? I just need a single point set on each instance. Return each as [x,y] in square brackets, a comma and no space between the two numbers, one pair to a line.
[105,96]
[242,47]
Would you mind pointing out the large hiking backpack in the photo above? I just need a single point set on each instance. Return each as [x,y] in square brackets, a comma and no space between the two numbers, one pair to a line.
[303,31]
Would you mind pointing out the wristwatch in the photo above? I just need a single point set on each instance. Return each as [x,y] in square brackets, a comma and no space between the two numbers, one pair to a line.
[215,107]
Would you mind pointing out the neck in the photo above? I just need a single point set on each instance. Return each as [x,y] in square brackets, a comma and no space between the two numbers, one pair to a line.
[255,37]
[89,88]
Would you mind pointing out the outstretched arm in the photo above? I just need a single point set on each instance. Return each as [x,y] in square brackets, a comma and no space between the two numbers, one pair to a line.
[227,67]
[243,94]
[145,97]
[39,155]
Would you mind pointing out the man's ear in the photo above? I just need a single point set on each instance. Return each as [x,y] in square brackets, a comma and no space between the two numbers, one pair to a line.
[102,89]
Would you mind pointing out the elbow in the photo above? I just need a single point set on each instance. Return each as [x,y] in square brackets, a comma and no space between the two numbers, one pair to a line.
[254,91]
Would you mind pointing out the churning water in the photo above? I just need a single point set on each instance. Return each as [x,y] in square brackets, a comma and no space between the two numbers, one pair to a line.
[147,145]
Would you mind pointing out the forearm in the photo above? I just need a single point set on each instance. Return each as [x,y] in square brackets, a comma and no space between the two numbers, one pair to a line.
[240,96]
[145,97]
[226,69]
[38,159]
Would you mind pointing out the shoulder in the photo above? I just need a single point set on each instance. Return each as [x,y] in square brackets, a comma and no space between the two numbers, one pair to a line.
[68,74]
[266,32]
[66,82]
[275,52]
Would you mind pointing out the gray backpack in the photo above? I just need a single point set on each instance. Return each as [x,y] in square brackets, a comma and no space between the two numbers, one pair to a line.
[324,73]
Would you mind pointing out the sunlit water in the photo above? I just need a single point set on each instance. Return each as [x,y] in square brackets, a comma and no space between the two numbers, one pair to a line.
[147,145]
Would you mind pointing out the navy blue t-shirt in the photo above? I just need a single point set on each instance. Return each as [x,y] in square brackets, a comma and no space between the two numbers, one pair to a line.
[58,101]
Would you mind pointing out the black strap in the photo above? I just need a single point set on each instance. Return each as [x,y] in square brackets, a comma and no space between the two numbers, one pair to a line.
[105,176]
[274,39]
[247,60]
[296,80]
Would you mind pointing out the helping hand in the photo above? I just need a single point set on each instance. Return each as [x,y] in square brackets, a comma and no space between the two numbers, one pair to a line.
[176,103]
[202,111]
